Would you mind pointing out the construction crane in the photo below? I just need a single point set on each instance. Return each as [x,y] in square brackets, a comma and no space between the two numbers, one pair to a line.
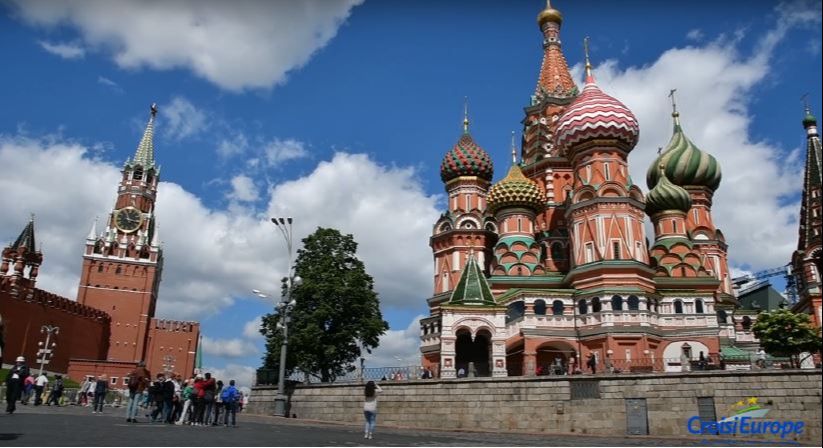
[785,271]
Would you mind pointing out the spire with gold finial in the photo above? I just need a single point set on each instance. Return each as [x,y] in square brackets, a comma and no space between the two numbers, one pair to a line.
[144,156]
[549,14]
[589,74]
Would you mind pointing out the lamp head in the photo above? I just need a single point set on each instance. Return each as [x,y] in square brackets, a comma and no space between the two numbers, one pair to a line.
[296,280]
[289,219]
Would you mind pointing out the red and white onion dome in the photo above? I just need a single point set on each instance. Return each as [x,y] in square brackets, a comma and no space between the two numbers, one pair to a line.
[595,115]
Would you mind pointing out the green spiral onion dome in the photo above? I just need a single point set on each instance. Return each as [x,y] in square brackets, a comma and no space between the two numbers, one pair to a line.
[467,158]
[666,196]
[685,164]
[515,190]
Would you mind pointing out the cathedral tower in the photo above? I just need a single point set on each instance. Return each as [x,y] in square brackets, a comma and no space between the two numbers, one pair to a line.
[123,263]
[806,260]
[467,172]
[605,212]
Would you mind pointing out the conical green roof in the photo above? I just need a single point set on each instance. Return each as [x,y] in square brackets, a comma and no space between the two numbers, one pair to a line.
[144,156]
[666,196]
[686,165]
[472,289]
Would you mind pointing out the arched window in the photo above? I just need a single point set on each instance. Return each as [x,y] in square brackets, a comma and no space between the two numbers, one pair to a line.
[722,317]
[698,306]
[119,270]
[617,303]
[557,308]
[582,307]
[634,303]
[540,307]
[596,307]
[747,323]
[138,174]
[678,307]
[515,310]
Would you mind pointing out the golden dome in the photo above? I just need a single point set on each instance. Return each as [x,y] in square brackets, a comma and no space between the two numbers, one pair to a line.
[549,15]
[515,190]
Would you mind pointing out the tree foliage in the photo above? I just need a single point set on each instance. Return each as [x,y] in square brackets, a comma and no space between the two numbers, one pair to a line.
[336,312]
[783,333]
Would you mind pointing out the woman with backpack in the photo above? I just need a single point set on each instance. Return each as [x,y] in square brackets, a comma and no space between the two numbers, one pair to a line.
[209,388]
[218,403]
[370,407]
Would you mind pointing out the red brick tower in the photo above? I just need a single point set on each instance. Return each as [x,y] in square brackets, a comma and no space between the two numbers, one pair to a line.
[23,259]
[806,260]
[122,266]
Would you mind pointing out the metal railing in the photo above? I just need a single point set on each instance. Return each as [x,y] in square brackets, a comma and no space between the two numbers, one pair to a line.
[606,366]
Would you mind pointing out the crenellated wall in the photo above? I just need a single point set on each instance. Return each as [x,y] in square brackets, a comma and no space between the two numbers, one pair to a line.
[583,404]
[172,343]
[84,331]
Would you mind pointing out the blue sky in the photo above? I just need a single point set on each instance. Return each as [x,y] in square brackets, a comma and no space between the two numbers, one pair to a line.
[339,115]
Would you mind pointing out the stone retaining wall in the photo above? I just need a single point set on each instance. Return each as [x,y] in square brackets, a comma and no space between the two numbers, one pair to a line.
[564,404]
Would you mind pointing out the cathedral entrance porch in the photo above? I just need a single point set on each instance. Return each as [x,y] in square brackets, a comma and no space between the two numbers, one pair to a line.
[472,356]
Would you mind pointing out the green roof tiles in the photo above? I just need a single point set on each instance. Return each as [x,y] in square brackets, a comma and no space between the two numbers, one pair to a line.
[472,288]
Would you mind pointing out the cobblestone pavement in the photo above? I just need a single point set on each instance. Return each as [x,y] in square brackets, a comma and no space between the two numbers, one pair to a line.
[76,426]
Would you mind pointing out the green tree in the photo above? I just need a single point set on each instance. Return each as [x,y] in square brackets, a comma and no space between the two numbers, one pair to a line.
[336,312]
[786,334]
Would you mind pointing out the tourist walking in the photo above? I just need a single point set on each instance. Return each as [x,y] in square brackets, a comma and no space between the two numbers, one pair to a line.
[14,383]
[86,389]
[592,362]
[56,391]
[188,402]
[218,403]
[39,386]
[230,397]
[370,407]
[28,389]
[101,387]
[138,379]
[197,396]
[168,399]
[156,394]
[209,388]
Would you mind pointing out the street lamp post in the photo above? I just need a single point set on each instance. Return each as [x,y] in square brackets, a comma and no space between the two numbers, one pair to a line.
[284,309]
[47,349]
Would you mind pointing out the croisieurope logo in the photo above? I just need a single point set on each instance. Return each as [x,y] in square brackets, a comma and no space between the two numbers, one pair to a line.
[748,419]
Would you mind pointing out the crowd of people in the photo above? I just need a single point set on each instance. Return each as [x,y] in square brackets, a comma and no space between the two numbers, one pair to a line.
[165,398]
[198,401]
[23,387]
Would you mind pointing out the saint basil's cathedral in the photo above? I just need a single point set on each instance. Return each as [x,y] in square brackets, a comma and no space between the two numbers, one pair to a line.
[552,265]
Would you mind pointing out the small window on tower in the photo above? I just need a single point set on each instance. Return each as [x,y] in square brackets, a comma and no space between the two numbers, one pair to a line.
[119,270]
[100,268]
[616,249]
[138,174]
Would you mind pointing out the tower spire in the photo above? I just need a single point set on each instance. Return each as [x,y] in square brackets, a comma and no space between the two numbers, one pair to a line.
[554,81]
[514,151]
[144,156]
[465,115]
[589,75]
[675,113]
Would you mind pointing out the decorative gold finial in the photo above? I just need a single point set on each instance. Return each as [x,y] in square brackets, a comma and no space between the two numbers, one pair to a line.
[805,99]
[153,109]
[466,114]
[586,52]
[549,14]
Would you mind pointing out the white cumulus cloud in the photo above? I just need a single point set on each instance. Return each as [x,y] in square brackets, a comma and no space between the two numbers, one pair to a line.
[278,151]
[251,329]
[236,45]
[183,119]
[228,348]
[242,375]
[243,189]
[66,50]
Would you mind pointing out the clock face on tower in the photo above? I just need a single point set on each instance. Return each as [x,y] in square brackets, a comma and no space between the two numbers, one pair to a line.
[128,219]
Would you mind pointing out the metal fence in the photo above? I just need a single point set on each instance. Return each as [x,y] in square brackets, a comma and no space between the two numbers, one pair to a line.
[114,398]
[606,366]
